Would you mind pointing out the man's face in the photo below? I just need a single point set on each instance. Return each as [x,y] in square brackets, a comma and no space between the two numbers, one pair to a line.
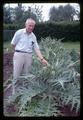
[29,26]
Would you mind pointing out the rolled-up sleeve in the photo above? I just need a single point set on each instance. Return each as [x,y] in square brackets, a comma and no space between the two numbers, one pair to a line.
[15,38]
[36,46]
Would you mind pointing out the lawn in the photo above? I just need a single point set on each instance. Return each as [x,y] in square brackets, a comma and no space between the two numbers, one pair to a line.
[72,45]
[7,47]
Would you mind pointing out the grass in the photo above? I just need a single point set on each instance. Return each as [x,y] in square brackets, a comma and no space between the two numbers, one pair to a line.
[7,46]
[67,45]
[72,45]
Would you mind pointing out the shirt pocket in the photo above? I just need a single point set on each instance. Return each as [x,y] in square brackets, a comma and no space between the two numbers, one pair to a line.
[31,43]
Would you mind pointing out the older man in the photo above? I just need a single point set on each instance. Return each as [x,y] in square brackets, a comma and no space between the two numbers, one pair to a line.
[23,42]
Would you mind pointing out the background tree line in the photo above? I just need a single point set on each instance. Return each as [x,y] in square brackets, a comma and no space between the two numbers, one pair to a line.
[61,22]
[18,15]
[63,13]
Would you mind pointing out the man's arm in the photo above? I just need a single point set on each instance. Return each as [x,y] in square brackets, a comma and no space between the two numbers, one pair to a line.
[15,39]
[13,47]
[39,54]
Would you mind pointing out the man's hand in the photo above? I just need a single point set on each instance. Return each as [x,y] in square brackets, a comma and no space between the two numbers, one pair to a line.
[44,62]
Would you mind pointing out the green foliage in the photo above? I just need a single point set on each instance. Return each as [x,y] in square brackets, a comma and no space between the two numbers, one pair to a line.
[62,13]
[7,15]
[75,57]
[9,30]
[47,88]
[70,31]
[19,14]
[11,26]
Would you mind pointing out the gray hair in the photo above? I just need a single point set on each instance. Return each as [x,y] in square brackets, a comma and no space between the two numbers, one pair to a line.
[30,20]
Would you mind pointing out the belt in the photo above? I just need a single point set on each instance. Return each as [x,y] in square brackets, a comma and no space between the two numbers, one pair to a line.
[20,51]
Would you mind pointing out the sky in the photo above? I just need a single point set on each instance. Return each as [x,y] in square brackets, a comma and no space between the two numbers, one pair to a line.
[46,7]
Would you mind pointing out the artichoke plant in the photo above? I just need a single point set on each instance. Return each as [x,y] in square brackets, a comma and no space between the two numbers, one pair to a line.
[47,88]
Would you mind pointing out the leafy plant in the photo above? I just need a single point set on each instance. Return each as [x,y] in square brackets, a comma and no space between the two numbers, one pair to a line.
[47,88]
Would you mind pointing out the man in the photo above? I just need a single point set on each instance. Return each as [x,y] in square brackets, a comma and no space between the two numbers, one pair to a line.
[23,42]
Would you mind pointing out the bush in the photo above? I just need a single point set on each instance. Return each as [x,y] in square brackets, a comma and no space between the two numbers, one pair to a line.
[68,31]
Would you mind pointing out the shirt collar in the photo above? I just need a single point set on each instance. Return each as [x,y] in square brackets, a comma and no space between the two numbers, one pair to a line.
[26,32]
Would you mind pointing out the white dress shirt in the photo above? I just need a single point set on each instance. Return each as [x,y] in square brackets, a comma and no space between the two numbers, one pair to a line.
[24,41]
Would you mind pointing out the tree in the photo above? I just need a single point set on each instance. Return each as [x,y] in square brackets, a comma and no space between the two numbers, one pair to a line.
[35,13]
[78,14]
[61,13]
[7,14]
[38,12]
[30,14]
[53,14]
[18,13]
[78,11]
[69,12]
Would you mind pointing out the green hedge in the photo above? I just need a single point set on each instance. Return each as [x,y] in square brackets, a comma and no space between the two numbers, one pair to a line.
[9,30]
[69,31]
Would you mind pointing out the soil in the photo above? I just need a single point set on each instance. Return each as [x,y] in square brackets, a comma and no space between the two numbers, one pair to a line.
[7,65]
[8,68]
[66,110]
